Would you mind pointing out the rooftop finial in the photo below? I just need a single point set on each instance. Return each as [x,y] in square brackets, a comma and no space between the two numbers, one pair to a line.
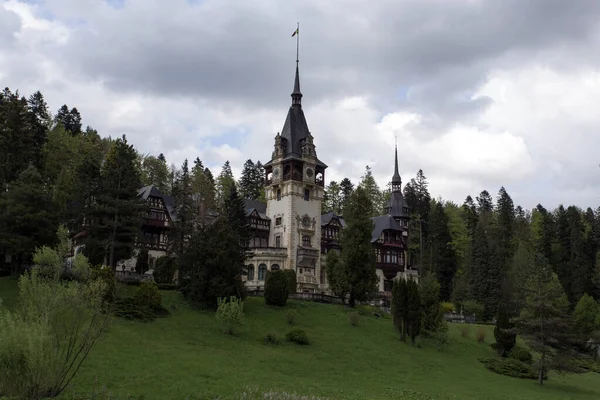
[296,94]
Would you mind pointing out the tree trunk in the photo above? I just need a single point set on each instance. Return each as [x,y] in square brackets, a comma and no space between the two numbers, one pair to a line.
[112,244]
[352,300]
[541,370]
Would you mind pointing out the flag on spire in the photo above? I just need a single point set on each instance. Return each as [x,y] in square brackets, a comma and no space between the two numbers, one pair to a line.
[295,32]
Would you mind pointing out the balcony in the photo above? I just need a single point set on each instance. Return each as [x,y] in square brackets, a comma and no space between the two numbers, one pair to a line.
[161,223]
[269,251]
[306,279]
[307,257]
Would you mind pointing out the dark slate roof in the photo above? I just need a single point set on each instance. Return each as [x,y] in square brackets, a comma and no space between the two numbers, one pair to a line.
[295,129]
[396,178]
[261,208]
[152,191]
[382,223]
[326,218]
[396,205]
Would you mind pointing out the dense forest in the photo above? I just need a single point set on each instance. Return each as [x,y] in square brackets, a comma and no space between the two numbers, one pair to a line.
[53,172]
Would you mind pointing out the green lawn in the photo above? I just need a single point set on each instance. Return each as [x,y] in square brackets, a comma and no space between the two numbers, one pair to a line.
[186,354]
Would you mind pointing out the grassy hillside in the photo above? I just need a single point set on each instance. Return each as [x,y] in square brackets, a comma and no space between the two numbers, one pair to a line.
[187,355]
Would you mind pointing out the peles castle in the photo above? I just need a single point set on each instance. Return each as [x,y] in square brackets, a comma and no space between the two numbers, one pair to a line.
[289,232]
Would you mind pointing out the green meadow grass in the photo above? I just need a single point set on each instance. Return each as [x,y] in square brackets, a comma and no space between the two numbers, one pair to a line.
[186,354]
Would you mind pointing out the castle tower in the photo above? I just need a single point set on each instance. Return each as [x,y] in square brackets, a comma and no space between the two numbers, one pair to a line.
[295,180]
[397,206]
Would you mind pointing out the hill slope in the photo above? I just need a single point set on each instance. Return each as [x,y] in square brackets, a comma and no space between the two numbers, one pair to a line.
[186,354]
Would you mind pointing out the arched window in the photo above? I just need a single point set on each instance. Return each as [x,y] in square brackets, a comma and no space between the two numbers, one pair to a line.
[306,241]
[262,271]
[250,272]
[275,267]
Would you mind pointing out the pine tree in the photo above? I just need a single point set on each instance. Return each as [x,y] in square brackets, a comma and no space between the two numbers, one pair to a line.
[27,217]
[224,182]
[443,261]
[117,210]
[358,256]
[486,272]
[413,313]
[246,180]
[369,185]
[485,204]
[334,198]
[504,333]
[398,306]
[505,229]
[336,276]
[544,321]
[346,190]
[186,214]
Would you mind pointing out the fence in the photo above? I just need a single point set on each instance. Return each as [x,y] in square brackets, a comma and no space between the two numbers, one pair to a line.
[460,318]
[316,297]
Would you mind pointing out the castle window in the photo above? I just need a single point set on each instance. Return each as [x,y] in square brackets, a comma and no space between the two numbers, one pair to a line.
[387,285]
[306,241]
[306,194]
[275,267]
[278,194]
[278,221]
[277,241]
[262,271]
[251,272]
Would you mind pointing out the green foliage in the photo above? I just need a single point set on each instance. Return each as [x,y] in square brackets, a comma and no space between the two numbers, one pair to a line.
[480,335]
[251,182]
[471,307]
[276,288]
[354,318]
[291,316]
[164,269]
[448,307]
[506,337]
[81,268]
[443,260]
[336,275]
[297,336]
[272,338]
[142,261]
[358,256]
[509,367]
[51,332]
[399,306]
[148,295]
[106,275]
[47,261]
[433,315]
[521,354]
[230,312]
[254,393]
[293,284]
[414,313]
[586,315]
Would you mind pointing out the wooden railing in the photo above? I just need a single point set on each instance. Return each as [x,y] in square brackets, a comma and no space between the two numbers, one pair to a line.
[316,297]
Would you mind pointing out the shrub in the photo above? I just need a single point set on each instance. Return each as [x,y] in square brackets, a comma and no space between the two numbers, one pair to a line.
[471,307]
[81,268]
[465,330]
[48,337]
[292,282]
[167,286]
[510,367]
[291,316]
[276,288]
[47,262]
[164,270]
[272,338]
[148,295]
[105,274]
[353,318]
[297,336]
[440,335]
[521,354]
[448,307]
[480,335]
[231,313]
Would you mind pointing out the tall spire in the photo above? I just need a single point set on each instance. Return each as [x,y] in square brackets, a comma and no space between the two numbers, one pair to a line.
[396,180]
[296,94]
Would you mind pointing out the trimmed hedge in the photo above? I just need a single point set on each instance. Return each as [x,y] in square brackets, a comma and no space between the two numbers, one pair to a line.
[292,282]
[276,288]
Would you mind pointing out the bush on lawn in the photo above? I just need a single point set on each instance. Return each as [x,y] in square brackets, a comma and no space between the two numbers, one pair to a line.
[145,305]
[231,313]
[272,338]
[291,316]
[297,336]
[353,318]
[276,288]
[521,354]
[510,367]
[480,335]
[164,270]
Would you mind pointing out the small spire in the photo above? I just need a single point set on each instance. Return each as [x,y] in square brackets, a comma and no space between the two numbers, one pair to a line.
[396,180]
[296,94]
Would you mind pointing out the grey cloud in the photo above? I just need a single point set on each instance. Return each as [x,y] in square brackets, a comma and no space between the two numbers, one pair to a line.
[9,24]
[243,52]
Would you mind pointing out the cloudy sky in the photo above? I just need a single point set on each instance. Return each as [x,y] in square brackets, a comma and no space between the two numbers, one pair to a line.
[479,93]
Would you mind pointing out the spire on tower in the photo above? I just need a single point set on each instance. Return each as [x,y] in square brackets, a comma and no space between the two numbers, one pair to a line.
[396,180]
[296,94]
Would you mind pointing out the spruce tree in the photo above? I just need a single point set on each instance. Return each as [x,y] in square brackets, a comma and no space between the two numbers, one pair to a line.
[358,256]
[369,185]
[432,314]
[413,313]
[443,260]
[398,306]
[185,211]
[346,189]
[224,182]
[246,180]
[117,210]
[336,275]
[487,277]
